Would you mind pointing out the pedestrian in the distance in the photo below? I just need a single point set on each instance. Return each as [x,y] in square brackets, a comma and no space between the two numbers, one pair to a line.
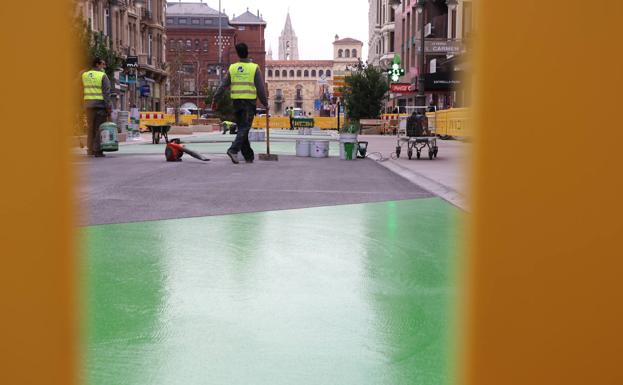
[291,116]
[97,105]
[245,81]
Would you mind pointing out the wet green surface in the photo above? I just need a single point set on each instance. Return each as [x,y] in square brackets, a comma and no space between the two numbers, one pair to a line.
[274,297]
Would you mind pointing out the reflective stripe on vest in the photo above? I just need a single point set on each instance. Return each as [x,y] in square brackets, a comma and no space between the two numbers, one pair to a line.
[242,77]
[92,82]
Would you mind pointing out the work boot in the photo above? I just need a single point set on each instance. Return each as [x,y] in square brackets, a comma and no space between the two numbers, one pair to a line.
[249,160]
[233,156]
[99,154]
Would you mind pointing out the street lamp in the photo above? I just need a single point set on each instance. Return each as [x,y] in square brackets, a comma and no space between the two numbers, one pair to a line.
[420,99]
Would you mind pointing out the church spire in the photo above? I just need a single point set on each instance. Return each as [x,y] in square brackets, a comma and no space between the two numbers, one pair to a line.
[288,42]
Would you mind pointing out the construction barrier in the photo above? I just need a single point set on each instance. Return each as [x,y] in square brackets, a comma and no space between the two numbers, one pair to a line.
[159,118]
[453,122]
[325,123]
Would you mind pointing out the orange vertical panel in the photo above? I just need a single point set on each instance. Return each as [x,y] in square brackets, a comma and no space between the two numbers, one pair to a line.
[546,266]
[37,300]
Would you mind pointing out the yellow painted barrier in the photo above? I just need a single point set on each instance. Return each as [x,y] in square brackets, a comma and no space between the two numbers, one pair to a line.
[167,119]
[325,123]
[453,122]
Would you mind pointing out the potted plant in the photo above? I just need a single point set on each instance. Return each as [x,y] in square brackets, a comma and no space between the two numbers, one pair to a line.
[348,140]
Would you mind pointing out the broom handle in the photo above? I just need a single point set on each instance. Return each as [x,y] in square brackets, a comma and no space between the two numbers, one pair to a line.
[267,132]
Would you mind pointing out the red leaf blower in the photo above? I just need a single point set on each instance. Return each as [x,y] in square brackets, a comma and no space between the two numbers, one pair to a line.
[175,150]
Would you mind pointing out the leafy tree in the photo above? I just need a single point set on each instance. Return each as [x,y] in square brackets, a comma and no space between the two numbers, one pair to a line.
[96,45]
[225,107]
[364,92]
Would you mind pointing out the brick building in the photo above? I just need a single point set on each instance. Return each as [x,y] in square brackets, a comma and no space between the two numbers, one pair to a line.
[193,48]
[447,29]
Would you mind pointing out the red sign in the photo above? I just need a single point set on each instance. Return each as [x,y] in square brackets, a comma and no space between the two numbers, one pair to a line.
[402,88]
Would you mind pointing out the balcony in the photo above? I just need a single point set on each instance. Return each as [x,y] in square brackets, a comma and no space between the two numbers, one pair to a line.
[123,4]
[145,60]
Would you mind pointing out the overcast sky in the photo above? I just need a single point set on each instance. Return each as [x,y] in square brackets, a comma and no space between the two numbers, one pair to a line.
[315,22]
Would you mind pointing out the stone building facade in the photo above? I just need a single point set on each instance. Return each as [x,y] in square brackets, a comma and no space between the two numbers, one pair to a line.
[381,39]
[193,48]
[308,84]
[136,29]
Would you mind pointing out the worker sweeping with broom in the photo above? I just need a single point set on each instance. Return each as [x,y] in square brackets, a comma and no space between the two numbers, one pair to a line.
[246,83]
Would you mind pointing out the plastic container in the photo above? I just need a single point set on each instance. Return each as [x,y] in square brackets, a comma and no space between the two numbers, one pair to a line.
[346,138]
[319,149]
[303,148]
[108,134]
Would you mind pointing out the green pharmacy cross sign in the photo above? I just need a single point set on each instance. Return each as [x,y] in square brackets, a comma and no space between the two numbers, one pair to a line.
[395,72]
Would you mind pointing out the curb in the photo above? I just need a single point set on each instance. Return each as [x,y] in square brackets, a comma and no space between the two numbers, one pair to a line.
[444,192]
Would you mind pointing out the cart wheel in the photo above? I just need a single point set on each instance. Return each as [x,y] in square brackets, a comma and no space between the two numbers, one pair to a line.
[398,151]
[410,154]
[431,154]
[418,154]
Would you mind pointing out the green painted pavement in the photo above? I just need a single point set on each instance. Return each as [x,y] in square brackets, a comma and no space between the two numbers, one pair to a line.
[356,294]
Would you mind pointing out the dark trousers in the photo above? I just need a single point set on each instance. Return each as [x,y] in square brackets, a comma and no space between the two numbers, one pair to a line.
[95,117]
[245,111]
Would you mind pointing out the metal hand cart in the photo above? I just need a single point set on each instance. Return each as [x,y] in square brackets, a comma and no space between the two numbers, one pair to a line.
[417,143]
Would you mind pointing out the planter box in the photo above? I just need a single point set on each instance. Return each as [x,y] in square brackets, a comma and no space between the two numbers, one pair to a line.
[201,128]
[180,130]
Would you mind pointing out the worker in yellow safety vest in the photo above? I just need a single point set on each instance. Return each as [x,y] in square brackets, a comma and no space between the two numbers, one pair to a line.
[97,104]
[246,84]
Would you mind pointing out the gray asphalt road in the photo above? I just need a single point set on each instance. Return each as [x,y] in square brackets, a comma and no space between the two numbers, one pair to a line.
[121,189]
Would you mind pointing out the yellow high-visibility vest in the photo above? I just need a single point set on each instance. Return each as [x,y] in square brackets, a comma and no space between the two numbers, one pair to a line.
[242,77]
[92,81]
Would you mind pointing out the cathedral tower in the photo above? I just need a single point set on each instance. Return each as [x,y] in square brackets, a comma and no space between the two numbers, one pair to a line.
[288,42]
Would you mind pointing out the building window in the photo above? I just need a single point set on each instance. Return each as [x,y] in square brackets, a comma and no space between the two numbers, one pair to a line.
[277,73]
[347,53]
[340,53]
[171,44]
[197,44]
[354,54]
[306,73]
[284,74]
[242,28]
[206,44]
[320,73]
[313,74]
[298,99]
[270,73]
[170,20]
[195,21]
[299,73]
[328,73]
[189,44]
[183,21]
[180,44]
[188,68]
[188,86]
[291,73]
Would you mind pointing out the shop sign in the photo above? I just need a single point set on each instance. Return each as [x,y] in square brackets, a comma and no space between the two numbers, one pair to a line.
[443,81]
[402,88]
[146,90]
[440,46]
[131,62]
